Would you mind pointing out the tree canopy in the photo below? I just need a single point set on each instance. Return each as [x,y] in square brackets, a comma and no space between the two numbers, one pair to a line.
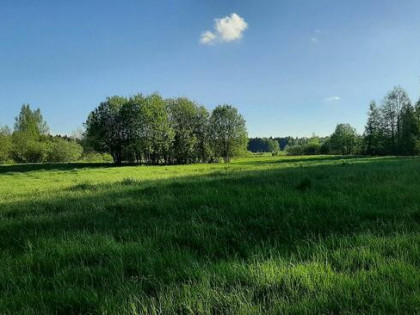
[151,129]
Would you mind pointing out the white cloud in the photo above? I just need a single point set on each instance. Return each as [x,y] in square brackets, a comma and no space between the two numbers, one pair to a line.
[231,28]
[333,99]
[208,38]
[227,29]
[314,40]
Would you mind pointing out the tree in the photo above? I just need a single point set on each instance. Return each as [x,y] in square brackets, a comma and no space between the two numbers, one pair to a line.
[344,139]
[27,149]
[156,134]
[31,122]
[273,146]
[104,128]
[132,128]
[183,116]
[228,134]
[313,146]
[5,144]
[257,145]
[409,130]
[373,136]
[27,139]
[417,116]
[391,113]
[202,132]
[62,150]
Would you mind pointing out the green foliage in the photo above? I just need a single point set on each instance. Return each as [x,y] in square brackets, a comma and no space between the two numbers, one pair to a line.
[202,148]
[104,128]
[228,134]
[5,144]
[157,136]
[31,122]
[394,127]
[409,131]
[153,130]
[183,117]
[273,146]
[311,146]
[295,150]
[344,140]
[393,103]
[30,143]
[263,235]
[259,145]
[95,157]
[374,133]
[61,150]
[28,149]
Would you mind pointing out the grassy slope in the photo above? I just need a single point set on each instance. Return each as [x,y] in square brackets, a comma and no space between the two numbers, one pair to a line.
[290,235]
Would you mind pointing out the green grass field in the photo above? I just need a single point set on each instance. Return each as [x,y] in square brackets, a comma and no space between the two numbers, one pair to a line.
[260,235]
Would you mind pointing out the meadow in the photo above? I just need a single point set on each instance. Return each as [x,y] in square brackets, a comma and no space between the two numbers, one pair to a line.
[317,234]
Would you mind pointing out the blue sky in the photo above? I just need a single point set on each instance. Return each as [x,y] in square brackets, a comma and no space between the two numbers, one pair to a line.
[298,67]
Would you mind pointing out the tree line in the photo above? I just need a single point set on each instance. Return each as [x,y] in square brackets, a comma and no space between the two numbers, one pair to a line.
[151,129]
[30,141]
[392,128]
[142,129]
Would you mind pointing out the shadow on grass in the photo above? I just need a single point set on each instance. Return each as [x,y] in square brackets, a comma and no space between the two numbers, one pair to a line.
[26,168]
[161,233]
[232,212]
[300,159]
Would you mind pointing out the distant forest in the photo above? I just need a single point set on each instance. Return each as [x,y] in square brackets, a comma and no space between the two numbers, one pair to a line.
[392,128]
[153,130]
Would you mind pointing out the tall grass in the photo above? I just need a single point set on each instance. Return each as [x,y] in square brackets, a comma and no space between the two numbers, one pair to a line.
[261,235]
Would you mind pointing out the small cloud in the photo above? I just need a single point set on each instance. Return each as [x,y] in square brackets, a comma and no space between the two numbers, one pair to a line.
[208,38]
[227,29]
[314,40]
[333,99]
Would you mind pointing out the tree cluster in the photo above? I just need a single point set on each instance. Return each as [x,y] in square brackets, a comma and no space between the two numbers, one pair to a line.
[260,145]
[30,142]
[151,129]
[292,145]
[393,127]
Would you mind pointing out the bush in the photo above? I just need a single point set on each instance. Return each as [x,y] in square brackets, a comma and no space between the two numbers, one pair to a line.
[92,157]
[61,150]
[295,150]
[28,150]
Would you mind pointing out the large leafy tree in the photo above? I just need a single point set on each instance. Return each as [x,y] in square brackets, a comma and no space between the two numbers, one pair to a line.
[105,128]
[344,139]
[202,131]
[132,128]
[228,134]
[183,116]
[156,132]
